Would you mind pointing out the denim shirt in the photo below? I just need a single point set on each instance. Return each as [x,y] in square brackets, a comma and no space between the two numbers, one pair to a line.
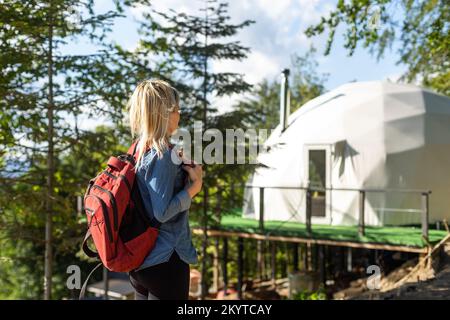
[161,183]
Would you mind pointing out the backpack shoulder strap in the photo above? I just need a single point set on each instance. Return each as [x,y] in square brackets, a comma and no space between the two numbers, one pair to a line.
[133,148]
[87,251]
[84,287]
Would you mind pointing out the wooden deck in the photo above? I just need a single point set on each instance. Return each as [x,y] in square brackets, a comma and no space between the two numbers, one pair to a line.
[406,239]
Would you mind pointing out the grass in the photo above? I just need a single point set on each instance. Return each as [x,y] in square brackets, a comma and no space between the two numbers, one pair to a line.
[403,236]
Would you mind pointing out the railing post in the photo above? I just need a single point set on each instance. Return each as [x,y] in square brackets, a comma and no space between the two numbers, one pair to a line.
[224,266]
[425,214]
[105,283]
[361,226]
[261,209]
[305,249]
[349,259]
[322,265]
[308,211]
[295,256]
[260,256]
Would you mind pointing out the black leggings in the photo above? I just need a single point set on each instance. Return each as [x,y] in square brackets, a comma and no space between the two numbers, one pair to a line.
[164,281]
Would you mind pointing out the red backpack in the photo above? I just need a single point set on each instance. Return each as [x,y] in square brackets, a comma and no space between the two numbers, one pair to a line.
[122,232]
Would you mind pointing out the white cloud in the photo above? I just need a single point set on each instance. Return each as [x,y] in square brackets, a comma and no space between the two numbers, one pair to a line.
[138,11]
[256,67]
[279,29]
[310,11]
[273,9]
[225,104]
[180,6]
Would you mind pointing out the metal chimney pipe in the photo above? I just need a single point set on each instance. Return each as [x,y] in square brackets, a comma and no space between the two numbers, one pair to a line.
[284,100]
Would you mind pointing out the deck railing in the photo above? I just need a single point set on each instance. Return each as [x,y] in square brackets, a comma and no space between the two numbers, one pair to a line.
[425,195]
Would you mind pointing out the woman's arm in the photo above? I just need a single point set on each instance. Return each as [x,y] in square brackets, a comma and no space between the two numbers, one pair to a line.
[196,177]
[160,183]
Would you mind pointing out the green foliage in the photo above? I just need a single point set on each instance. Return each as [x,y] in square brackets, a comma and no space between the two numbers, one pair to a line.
[310,295]
[422,28]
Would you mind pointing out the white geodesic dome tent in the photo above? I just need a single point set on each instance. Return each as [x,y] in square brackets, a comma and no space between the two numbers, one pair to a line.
[366,135]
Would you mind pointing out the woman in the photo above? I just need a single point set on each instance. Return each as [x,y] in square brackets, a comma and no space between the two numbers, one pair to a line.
[161,176]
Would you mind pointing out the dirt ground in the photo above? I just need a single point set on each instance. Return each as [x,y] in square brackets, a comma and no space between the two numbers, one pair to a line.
[430,282]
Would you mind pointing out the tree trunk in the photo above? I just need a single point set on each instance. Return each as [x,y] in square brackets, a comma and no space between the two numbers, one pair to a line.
[51,169]
[205,186]
[216,271]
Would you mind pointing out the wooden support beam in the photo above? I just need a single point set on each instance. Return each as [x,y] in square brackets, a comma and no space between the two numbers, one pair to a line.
[310,256]
[295,256]
[260,259]
[216,271]
[240,267]
[342,259]
[285,261]
[329,262]
[306,263]
[224,265]
[315,257]
[349,260]
[373,257]
[245,262]
[273,262]
[322,262]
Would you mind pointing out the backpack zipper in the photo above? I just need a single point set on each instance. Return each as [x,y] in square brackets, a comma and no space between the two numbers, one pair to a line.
[113,203]
[105,215]
[121,176]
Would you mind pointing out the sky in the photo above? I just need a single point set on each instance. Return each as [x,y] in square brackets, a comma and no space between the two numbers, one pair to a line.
[277,34]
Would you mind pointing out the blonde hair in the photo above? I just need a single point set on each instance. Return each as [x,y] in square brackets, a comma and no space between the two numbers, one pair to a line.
[149,108]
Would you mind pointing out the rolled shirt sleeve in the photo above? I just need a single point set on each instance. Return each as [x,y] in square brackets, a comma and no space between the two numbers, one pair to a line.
[160,184]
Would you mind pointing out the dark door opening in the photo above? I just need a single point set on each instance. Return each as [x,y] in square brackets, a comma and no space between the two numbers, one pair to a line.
[317,179]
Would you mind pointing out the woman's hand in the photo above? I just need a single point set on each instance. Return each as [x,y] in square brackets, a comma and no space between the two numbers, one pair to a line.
[195,173]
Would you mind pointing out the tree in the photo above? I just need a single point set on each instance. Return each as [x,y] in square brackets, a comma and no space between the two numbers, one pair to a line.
[421,27]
